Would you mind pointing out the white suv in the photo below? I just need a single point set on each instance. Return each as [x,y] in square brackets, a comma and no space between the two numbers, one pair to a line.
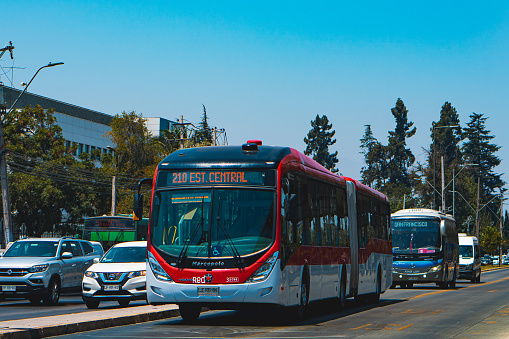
[119,276]
[41,268]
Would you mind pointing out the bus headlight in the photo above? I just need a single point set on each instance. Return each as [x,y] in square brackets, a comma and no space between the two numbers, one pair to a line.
[263,272]
[157,269]
[435,269]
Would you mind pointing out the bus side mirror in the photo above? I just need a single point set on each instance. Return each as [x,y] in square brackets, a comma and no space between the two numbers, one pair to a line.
[138,199]
[138,207]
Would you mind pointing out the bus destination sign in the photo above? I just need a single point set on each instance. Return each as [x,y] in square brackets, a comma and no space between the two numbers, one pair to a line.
[216,177]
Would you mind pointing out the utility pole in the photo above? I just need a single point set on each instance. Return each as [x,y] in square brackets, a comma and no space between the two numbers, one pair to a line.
[182,125]
[477,209]
[443,185]
[501,224]
[114,196]
[6,203]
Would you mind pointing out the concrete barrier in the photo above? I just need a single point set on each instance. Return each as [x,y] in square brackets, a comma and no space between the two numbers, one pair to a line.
[86,321]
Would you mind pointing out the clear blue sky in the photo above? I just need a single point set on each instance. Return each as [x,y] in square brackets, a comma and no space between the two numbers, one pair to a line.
[264,69]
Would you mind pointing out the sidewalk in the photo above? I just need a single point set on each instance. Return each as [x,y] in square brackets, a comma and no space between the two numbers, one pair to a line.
[78,322]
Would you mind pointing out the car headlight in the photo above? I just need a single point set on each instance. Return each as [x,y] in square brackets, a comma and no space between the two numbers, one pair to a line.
[157,269]
[263,272]
[38,268]
[435,269]
[137,274]
[91,274]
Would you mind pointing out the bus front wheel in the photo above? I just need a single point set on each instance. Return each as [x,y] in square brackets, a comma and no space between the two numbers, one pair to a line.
[189,313]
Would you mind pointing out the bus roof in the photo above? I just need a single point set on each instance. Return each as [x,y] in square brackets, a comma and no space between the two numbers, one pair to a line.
[421,212]
[225,156]
[254,155]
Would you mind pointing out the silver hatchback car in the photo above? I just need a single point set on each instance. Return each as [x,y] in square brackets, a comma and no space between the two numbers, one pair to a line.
[41,268]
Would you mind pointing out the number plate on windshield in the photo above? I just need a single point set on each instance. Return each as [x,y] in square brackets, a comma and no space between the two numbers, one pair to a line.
[111,287]
[9,288]
[208,291]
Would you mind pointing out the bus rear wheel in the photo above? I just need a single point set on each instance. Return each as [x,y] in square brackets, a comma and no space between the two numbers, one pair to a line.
[189,313]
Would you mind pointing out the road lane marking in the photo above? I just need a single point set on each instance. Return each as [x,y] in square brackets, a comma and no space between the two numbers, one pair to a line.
[442,291]
[492,291]
[402,328]
[358,328]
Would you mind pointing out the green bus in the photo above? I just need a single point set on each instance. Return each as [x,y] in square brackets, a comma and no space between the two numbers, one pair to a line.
[110,230]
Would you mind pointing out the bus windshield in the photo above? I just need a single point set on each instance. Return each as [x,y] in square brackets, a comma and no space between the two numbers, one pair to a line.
[415,236]
[212,223]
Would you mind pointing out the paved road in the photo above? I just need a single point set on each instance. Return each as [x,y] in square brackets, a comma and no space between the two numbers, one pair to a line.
[469,311]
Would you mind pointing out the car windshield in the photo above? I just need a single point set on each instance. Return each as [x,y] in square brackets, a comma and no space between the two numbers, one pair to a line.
[125,254]
[205,223]
[32,249]
[415,236]
[466,251]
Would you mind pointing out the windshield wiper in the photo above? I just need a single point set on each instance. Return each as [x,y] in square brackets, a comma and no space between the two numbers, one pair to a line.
[239,262]
[183,252]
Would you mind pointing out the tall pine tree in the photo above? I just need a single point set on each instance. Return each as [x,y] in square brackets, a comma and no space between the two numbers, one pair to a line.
[478,149]
[318,140]
[203,136]
[401,157]
[375,171]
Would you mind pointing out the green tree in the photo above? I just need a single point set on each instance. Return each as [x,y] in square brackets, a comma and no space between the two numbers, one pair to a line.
[401,157]
[479,150]
[39,184]
[135,148]
[445,138]
[374,173]
[490,239]
[318,140]
[203,136]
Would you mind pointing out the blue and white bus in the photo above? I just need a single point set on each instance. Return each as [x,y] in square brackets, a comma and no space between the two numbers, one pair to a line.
[425,248]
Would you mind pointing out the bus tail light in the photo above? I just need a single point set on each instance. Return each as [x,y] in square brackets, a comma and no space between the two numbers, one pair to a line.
[157,269]
[263,272]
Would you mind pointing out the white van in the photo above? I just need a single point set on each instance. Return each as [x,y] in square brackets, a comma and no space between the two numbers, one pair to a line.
[470,258]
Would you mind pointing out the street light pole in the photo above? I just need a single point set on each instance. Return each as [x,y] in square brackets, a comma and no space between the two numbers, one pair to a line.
[434,158]
[114,183]
[6,203]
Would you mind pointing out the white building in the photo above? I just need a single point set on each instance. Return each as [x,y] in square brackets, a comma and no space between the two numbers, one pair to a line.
[82,126]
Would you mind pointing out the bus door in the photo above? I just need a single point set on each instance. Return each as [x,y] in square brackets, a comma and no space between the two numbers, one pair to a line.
[354,242]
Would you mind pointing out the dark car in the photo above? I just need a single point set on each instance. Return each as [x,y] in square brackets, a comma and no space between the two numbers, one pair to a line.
[486,260]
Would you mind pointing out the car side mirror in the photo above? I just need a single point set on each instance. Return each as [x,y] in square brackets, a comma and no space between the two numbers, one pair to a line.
[96,260]
[66,255]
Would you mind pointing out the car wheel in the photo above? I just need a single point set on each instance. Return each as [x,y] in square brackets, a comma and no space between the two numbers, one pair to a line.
[53,294]
[34,300]
[124,303]
[92,304]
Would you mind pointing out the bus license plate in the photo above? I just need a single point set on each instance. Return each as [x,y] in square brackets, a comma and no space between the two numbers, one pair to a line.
[208,291]
[9,288]
[111,287]
[412,278]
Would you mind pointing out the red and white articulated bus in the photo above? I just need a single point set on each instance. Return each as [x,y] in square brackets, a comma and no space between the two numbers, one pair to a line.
[234,226]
